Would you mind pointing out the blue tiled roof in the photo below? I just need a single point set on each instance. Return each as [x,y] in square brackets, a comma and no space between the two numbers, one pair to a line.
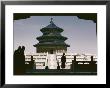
[51,36]
[53,43]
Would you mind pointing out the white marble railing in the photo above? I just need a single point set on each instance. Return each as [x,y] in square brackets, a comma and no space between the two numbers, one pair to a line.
[41,59]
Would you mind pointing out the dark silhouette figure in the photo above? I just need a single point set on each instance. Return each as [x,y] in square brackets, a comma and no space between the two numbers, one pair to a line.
[19,61]
[63,60]
[51,51]
[74,64]
[92,59]
[58,66]
[93,65]
[46,67]
[31,63]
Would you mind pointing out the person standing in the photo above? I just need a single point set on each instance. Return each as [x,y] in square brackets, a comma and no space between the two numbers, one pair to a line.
[63,60]
[32,63]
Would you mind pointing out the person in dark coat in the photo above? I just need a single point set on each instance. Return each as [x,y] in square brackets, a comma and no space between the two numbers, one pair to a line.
[63,60]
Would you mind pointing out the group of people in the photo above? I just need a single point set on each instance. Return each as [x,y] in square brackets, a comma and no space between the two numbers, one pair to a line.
[19,61]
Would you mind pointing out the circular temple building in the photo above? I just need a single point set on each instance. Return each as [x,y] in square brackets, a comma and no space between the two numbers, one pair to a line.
[51,41]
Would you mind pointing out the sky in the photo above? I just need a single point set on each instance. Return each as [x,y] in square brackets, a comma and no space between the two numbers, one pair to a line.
[81,33]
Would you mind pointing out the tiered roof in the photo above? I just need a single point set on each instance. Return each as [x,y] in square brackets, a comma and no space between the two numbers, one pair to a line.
[51,35]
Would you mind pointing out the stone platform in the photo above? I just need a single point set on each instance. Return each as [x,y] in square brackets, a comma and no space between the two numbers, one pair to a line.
[57,72]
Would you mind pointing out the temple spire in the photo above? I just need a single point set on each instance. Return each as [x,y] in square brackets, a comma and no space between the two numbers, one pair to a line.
[51,21]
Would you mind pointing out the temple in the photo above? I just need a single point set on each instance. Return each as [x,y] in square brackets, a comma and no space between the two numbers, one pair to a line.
[51,41]
[50,49]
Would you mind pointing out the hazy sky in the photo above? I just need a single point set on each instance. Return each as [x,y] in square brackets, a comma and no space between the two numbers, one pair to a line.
[81,33]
